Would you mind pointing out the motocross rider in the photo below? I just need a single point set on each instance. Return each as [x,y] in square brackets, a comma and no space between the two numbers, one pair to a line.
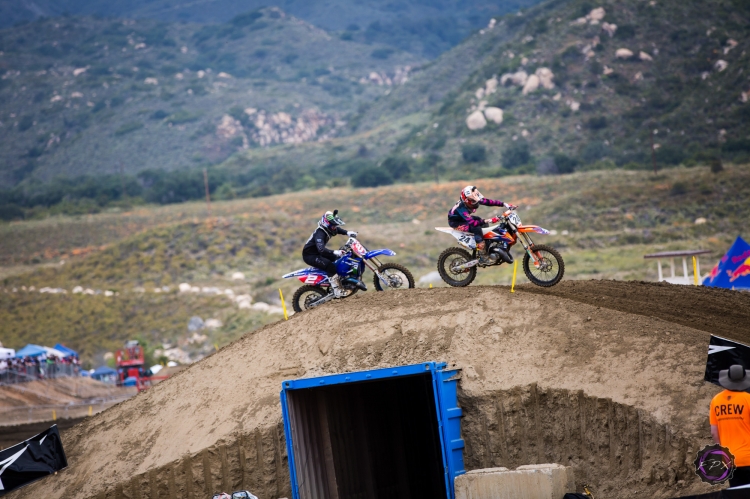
[317,255]
[461,217]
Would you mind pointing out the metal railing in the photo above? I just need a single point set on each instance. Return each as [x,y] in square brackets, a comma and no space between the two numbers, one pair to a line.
[22,374]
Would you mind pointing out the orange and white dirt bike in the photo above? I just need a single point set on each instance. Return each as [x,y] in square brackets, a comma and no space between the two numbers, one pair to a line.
[542,264]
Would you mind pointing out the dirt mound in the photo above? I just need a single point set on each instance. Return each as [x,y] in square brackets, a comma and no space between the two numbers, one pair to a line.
[616,391]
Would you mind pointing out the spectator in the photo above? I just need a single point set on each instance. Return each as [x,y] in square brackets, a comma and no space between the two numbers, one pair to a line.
[730,420]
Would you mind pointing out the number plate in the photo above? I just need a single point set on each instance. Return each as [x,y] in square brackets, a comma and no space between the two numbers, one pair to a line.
[358,248]
[514,219]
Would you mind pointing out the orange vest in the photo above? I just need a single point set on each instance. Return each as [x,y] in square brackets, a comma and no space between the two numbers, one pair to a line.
[730,412]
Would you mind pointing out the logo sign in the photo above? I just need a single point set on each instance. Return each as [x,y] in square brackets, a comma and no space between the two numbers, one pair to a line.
[714,464]
[723,353]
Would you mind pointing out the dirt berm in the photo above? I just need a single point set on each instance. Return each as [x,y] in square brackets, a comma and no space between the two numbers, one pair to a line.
[605,376]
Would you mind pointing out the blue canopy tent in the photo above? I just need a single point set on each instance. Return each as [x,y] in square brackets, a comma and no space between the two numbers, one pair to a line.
[104,374]
[733,270]
[67,351]
[30,351]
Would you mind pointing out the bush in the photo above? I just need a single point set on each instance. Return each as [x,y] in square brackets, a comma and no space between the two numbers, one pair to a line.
[247,19]
[128,127]
[10,212]
[159,114]
[473,153]
[565,164]
[397,166]
[381,53]
[597,122]
[716,166]
[516,154]
[372,177]
[25,123]
[678,189]
[670,155]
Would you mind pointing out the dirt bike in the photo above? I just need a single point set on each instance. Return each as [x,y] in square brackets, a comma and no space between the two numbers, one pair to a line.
[542,264]
[350,266]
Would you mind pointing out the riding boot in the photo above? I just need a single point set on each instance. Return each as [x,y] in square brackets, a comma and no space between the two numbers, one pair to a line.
[335,281]
[484,258]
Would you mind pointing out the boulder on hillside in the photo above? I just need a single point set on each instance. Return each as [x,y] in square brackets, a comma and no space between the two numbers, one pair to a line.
[623,53]
[596,15]
[476,121]
[490,86]
[545,78]
[721,65]
[518,78]
[238,276]
[494,114]
[609,28]
[532,84]
[644,56]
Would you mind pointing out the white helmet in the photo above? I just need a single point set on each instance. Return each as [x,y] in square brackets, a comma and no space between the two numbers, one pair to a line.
[471,196]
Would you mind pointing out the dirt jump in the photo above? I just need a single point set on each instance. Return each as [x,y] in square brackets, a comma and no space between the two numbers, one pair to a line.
[604,376]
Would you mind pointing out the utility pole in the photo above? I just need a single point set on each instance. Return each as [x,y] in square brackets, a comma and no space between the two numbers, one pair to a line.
[653,149]
[122,181]
[208,196]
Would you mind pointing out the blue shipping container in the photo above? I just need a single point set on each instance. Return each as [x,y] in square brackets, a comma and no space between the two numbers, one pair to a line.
[392,432]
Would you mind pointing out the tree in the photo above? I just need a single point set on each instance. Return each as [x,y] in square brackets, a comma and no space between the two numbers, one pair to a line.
[372,177]
[516,154]
[473,153]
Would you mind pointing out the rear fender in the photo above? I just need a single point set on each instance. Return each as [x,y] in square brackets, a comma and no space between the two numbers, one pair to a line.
[533,228]
[465,239]
[379,252]
[303,272]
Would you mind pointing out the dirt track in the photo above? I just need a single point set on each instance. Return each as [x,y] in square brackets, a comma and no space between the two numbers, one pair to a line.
[612,386]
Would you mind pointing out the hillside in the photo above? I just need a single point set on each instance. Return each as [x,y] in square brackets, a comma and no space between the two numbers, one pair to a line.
[103,96]
[583,85]
[423,28]
[605,221]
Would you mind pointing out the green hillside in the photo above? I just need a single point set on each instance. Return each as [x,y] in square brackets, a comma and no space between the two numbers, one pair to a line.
[102,96]
[424,28]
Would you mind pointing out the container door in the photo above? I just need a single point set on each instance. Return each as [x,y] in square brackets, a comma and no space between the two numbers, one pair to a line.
[450,425]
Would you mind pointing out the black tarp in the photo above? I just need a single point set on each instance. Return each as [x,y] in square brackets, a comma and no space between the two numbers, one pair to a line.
[723,353]
[31,460]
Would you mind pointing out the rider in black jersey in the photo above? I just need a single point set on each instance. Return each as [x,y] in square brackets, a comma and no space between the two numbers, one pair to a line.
[317,255]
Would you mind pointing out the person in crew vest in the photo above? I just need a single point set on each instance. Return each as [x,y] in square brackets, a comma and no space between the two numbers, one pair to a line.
[730,420]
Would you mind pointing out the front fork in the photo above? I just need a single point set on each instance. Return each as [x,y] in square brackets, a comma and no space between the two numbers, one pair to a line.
[527,244]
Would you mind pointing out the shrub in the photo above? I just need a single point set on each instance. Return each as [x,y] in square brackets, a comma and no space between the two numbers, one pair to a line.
[473,153]
[678,189]
[159,114]
[716,166]
[381,53]
[625,32]
[397,166]
[247,19]
[597,122]
[128,127]
[25,123]
[372,177]
[670,155]
[516,154]
[10,212]
[565,164]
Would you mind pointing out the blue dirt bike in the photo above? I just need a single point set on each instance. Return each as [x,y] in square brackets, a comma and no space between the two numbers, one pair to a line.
[351,266]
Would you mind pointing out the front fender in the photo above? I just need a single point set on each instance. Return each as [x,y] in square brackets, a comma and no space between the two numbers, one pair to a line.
[533,228]
[379,252]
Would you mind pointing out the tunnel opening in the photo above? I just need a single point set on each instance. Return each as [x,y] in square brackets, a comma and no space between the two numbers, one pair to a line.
[373,434]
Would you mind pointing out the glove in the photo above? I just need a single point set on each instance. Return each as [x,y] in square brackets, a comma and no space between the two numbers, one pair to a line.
[338,253]
[511,206]
[492,220]
[351,233]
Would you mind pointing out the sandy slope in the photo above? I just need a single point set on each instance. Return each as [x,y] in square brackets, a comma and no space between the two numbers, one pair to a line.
[627,360]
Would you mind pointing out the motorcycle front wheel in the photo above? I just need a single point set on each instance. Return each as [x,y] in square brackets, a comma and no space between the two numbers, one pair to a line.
[396,277]
[550,269]
[449,260]
[305,296]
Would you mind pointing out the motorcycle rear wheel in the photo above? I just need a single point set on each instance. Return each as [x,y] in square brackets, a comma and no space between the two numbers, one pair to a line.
[553,262]
[451,258]
[392,271]
[305,296]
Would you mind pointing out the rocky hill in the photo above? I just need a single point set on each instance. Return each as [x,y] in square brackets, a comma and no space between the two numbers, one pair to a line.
[96,96]
[584,84]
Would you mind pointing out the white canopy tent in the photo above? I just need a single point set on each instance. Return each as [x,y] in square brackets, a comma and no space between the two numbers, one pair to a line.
[7,353]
